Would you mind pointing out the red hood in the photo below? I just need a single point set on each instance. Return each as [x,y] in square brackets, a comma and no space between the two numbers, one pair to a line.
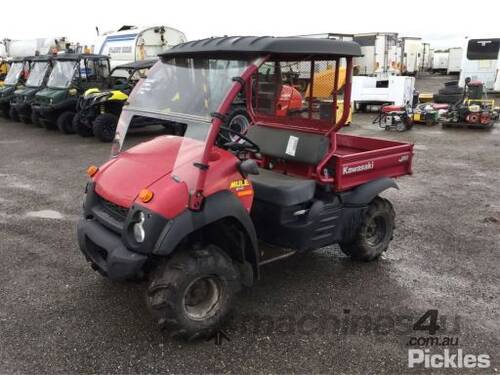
[121,179]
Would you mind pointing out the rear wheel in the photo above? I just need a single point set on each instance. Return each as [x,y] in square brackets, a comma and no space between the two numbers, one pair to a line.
[374,233]
[13,114]
[65,122]
[81,128]
[105,126]
[191,294]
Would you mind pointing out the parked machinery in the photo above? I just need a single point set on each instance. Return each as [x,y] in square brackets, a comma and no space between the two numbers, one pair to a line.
[72,74]
[20,105]
[15,79]
[395,117]
[98,110]
[473,110]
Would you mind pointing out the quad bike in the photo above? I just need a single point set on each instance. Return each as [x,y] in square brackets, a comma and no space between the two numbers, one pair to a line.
[72,74]
[474,109]
[198,214]
[20,105]
[14,80]
[98,110]
[394,117]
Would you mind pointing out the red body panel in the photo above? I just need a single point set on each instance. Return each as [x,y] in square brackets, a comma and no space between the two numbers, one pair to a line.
[159,166]
[359,160]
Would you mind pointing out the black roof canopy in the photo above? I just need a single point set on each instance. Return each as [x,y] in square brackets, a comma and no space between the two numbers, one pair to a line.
[80,56]
[253,46]
[136,65]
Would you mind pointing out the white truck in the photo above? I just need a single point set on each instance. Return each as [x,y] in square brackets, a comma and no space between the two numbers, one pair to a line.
[380,54]
[481,61]
[132,43]
[29,47]
[455,60]
[440,61]
[409,52]
[397,90]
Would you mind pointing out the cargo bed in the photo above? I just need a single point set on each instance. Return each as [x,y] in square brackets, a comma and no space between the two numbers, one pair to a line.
[358,160]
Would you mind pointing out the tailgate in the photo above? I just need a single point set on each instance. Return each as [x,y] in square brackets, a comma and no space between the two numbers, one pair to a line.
[383,159]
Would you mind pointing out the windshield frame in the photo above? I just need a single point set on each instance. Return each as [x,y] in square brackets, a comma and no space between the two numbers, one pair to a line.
[67,83]
[41,78]
[13,72]
[141,90]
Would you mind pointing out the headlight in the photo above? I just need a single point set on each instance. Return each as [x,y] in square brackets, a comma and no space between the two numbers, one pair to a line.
[139,233]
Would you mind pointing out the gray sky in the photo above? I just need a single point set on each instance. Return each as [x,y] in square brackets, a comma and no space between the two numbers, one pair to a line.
[443,23]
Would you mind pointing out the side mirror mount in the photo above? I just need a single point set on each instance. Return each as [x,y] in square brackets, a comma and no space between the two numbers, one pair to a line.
[247,167]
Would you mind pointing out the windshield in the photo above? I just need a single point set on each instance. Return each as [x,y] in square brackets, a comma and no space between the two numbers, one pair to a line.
[14,73]
[37,74]
[62,74]
[192,87]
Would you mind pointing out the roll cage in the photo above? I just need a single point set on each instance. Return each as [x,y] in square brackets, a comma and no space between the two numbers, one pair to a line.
[272,50]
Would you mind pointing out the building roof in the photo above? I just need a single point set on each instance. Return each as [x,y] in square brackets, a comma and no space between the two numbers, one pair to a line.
[237,46]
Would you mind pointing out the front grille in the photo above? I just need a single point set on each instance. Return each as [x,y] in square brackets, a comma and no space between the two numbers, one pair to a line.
[115,211]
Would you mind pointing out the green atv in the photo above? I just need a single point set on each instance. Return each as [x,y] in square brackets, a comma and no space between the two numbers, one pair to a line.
[20,105]
[14,80]
[72,74]
[98,111]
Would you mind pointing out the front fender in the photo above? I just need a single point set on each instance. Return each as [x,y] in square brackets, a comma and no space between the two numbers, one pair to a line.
[221,205]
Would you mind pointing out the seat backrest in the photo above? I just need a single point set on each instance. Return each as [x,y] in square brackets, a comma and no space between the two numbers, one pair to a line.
[289,145]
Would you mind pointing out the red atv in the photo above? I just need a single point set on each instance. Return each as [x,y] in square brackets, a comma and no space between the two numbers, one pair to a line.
[195,211]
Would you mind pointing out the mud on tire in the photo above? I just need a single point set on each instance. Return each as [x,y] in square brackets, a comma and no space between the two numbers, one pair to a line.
[374,233]
[191,293]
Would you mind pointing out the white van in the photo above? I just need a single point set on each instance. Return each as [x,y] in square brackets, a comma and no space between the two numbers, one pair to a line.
[481,61]
[131,43]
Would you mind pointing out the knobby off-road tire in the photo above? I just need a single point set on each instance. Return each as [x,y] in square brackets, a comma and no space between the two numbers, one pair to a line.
[375,232]
[65,122]
[83,130]
[104,127]
[35,119]
[191,294]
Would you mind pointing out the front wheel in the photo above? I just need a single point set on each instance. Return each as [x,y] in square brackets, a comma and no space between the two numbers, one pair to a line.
[35,119]
[105,126]
[374,233]
[13,114]
[65,122]
[81,128]
[191,294]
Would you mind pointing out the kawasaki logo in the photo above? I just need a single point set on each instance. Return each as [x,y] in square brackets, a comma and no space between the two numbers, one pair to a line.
[358,168]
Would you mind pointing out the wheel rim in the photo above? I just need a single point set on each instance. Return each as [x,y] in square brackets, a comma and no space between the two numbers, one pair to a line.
[203,297]
[239,123]
[375,231]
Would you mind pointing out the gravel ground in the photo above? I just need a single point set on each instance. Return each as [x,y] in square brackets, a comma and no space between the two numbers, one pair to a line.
[58,316]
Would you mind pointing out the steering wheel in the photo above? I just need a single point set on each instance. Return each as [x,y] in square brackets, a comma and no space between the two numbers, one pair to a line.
[248,145]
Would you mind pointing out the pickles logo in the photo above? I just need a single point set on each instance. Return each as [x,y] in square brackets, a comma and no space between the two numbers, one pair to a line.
[239,184]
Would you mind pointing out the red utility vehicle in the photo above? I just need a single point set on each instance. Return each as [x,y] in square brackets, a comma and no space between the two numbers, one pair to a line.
[198,212]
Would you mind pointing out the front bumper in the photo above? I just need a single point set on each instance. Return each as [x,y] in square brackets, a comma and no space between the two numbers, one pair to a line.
[23,107]
[105,250]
